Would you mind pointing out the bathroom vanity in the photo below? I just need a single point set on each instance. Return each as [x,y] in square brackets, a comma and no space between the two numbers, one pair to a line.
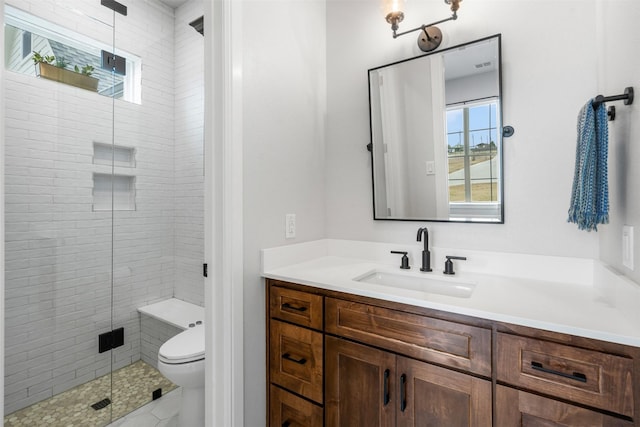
[347,357]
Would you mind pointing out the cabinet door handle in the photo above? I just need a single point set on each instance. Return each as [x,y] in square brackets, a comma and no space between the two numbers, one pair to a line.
[385,396]
[300,361]
[287,423]
[576,376]
[403,392]
[287,306]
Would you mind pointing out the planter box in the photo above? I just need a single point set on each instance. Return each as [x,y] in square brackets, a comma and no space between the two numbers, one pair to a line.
[48,71]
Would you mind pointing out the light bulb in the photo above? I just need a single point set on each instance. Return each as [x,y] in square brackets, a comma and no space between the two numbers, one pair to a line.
[390,6]
[392,10]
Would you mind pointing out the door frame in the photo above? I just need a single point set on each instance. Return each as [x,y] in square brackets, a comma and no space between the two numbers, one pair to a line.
[224,378]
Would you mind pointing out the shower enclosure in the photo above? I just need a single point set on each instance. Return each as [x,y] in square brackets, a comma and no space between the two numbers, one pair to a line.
[103,200]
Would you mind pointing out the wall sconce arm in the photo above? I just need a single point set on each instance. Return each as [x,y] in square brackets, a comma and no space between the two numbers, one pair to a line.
[423,27]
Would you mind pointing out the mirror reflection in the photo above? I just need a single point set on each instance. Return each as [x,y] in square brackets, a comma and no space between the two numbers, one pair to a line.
[436,144]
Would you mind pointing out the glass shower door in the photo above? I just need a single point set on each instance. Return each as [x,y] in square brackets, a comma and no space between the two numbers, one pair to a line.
[158,187]
[59,247]
[104,201]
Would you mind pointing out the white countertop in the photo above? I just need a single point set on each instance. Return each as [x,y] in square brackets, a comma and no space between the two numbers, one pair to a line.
[600,305]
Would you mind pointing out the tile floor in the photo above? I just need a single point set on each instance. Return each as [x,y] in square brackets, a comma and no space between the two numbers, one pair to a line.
[132,388]
[159,413]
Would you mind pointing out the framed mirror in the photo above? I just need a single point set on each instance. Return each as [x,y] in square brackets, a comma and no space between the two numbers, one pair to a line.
[436,136]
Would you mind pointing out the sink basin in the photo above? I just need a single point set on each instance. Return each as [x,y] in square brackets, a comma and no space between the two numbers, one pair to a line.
[434,285]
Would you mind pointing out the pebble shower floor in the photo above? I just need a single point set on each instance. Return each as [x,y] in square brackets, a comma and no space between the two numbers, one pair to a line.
[132,388]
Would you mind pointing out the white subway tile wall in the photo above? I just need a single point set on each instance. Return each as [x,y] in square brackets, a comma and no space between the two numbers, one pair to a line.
[59,265]
[153,334]
[189,155]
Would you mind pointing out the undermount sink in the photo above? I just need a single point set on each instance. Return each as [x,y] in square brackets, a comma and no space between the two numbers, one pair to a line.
[435,285]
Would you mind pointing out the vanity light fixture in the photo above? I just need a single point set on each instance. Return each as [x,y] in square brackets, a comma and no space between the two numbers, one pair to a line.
[430,35]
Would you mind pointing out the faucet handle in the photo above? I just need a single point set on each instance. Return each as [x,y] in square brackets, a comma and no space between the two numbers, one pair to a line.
[448,264]
[405,259]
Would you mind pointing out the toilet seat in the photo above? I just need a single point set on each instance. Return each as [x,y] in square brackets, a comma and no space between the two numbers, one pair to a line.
[187,346]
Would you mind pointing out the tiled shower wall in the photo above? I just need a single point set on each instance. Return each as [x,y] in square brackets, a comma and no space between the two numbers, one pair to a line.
[58,250]
[188,177]
[189,143]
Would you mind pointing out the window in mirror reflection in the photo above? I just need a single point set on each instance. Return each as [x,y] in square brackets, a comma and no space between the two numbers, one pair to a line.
[472,152]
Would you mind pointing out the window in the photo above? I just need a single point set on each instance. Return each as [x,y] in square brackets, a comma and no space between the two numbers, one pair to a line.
[26,33]
[472,152]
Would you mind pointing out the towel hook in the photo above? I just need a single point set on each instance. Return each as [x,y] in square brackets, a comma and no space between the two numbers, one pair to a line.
[627,96]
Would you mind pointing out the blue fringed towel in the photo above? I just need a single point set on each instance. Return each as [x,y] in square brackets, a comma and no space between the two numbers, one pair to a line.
[590,195]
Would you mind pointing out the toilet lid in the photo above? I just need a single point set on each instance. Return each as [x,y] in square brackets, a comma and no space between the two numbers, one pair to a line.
[187,346]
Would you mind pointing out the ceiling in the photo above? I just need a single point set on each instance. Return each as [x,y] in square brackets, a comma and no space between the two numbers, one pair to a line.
[173,3]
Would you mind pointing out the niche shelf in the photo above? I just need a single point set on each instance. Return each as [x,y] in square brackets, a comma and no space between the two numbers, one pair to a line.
[104,154]
[124,192]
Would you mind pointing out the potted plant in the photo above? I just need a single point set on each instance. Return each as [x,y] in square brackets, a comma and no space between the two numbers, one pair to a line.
[49,67]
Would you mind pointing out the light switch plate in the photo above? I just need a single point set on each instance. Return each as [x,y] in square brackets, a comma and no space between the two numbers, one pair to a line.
[290,226]
[627,246]
[431,167]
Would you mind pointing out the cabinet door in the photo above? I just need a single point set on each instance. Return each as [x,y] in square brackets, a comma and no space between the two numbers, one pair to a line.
[515,408]
[359,385]
[434,396]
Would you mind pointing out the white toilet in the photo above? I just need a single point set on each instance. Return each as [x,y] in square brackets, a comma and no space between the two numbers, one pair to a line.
[181,360]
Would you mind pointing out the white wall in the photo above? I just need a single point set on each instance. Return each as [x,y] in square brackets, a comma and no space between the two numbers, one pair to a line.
[283,115]
[619,67]
[548,73]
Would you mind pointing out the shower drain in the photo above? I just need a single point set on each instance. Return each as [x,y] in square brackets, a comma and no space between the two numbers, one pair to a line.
[101,404]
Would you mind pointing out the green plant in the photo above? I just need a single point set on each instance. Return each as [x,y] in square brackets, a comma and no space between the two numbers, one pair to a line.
[87,70]
[61,63]
[38,58]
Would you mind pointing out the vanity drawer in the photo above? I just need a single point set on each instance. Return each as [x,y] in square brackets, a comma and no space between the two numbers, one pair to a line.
[448,343]
[593,378]
[295,359]
[297,307]
[287,409]
[516,408]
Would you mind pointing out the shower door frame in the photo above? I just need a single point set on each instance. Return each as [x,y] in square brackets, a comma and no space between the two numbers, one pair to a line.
[2,115]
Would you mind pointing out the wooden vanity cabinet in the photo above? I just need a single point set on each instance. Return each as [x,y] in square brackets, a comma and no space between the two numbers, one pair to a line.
[378,364]
[341,360]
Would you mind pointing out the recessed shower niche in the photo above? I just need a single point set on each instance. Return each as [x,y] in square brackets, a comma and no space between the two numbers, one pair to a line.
[117,192]
[114,190]
[108,154]
[103,202]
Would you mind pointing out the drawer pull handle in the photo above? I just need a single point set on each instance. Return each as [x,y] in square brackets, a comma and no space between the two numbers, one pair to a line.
[577,376]
[287,306]
[403,392]
[385,396]
[287,423]
[301,361]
